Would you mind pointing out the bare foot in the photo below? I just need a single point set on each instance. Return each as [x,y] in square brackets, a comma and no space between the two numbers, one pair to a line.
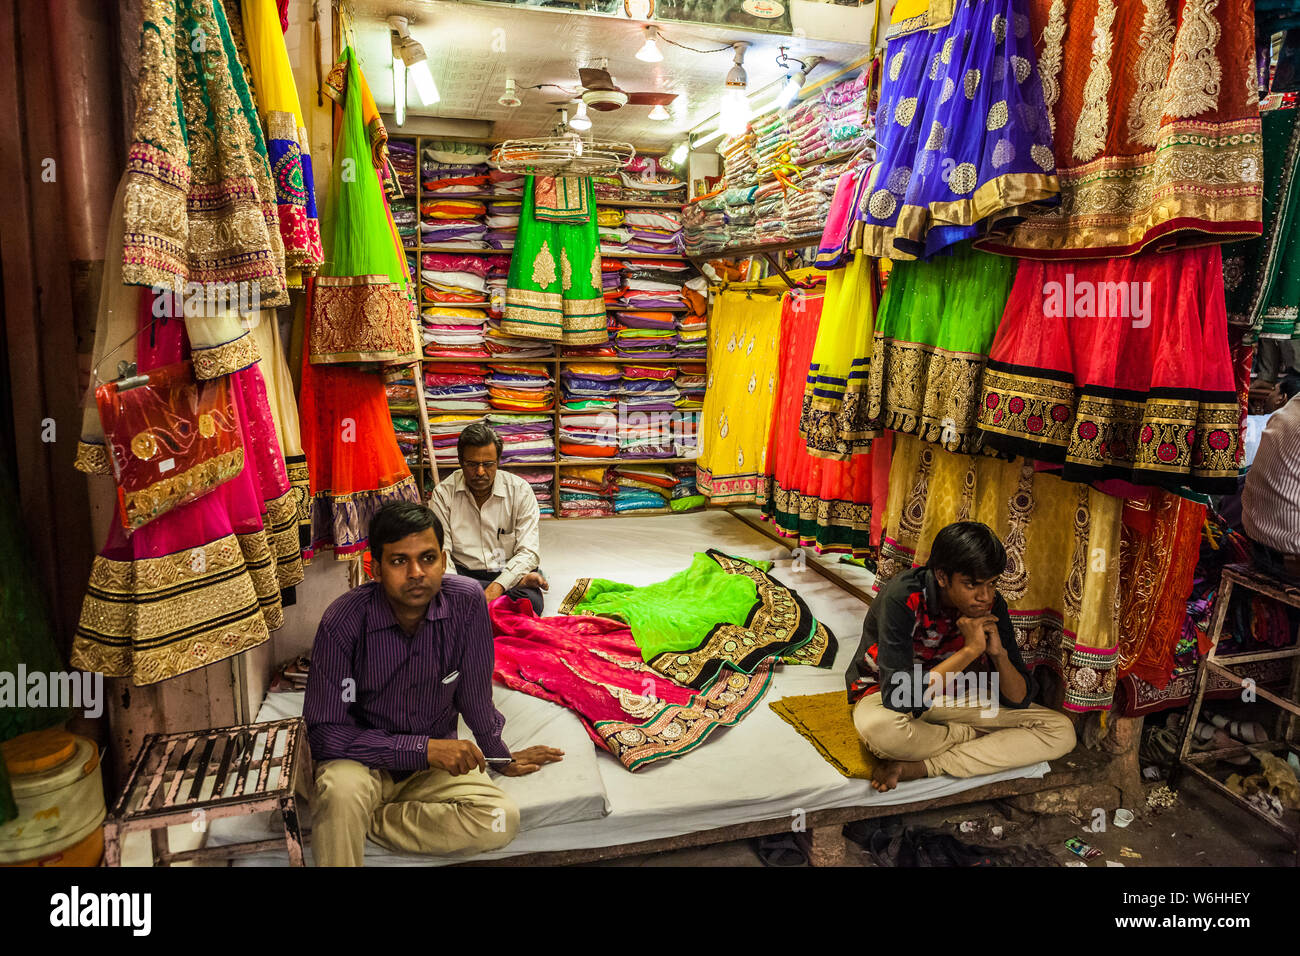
[887,775]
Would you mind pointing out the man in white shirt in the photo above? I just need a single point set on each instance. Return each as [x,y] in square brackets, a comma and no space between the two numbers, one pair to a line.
[491,520]
[1270,502]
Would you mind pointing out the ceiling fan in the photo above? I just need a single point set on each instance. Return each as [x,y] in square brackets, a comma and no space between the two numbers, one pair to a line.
[601,93]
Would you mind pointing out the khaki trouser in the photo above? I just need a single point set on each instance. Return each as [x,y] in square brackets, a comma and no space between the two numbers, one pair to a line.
[945,737]
[429,812]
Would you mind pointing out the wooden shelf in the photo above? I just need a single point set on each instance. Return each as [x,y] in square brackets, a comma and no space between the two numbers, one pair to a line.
[741,252]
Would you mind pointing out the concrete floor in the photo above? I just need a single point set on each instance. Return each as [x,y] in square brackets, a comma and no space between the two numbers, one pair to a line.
[1201,829]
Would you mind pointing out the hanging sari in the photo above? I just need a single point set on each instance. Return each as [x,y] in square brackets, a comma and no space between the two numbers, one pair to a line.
[288,147]
[720,614]
[744,335]
[936,323]
[834,506]
[833,421]
[1261,278]
[592,666]
[554,290]
[200,198]
[1061,580]
[203,581]
[964,142]
[1155,115]
[363,308]
[1159,549]
[1118,368]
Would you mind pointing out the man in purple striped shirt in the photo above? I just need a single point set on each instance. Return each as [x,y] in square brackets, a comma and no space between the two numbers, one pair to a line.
[395,662]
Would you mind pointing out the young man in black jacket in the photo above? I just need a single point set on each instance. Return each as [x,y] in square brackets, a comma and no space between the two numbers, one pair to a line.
[938,685]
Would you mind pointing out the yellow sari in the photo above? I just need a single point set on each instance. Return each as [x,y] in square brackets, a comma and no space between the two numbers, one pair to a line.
[1063,545]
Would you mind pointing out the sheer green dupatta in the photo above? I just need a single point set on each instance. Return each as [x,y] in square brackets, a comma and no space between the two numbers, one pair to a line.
[722,612]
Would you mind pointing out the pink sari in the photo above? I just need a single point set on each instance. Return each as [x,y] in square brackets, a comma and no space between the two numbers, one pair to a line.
[592,666]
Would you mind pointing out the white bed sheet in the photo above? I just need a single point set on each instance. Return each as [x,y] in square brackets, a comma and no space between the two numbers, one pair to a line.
[759,770]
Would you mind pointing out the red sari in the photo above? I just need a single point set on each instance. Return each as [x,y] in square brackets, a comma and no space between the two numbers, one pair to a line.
[1118,368]
[592,666]
[834,506]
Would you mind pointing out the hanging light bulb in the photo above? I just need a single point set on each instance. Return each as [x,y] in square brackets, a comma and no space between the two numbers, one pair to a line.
[580,119]
[734,112]
[659,112]
[793,85]
[650,53]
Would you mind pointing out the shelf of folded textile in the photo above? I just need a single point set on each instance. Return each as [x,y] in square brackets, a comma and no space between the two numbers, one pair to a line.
[756,249]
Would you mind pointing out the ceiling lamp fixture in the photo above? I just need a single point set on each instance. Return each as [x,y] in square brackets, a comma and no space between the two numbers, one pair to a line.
[659,113]
[734,113]
[580,119]
[416,60]
[510,98]
[650,53]
[794,78]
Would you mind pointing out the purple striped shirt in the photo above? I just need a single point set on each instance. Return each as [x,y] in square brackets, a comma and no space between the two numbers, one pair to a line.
[376,695]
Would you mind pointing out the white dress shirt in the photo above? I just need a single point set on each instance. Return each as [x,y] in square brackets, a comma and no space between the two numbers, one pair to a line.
[1270,502]
[504,535]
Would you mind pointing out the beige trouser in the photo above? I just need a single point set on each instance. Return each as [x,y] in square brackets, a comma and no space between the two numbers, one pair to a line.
[945,737]
[429,812]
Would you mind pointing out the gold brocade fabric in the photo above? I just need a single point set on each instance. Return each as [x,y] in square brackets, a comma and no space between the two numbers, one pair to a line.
[200,203]
[150,619]
[1063,546]
[362,319]
[92,459]
[225,359]
[1154,107]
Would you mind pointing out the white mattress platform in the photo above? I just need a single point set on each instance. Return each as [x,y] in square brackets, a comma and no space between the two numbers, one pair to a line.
[761,769]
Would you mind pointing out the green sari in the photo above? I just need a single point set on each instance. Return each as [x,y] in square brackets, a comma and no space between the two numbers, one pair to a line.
[1261,277]
[933,331]
[554,290]
[721,612]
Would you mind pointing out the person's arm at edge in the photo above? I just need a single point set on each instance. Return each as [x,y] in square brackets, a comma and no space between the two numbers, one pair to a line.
[473,697]
[1009,664]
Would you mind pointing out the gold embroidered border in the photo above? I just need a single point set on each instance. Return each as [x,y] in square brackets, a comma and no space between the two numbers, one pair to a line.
[679,728]
[141,507]
[1049,64]
[1090,129]
[92,459]
[362,319]
[1194,72]
[154,618]
[1156,42]
[282,522]
[926,391]
[1021,405]
[261,564]
[225,359]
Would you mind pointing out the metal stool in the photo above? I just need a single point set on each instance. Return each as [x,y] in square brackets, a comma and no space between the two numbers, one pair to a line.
[1284,735]
[203,775]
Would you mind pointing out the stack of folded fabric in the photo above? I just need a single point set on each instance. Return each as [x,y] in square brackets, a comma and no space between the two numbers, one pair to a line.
[849,123]
[643,334]
[401,154]
[612,282]
[403,407]
[453,332]
[502,222]
[446,430]
[739,161]
[453,222]
[652,186]
[805,211]
[685,494]
[654,231]
[807,124]
[686,429]
[541,481]
[502,345]
[613,239]
[771,146]
[653,284]
[769,211]
[502,183]
[607,187]
[589,435]
[642,488]
[586,492]
[456,387]
[524,438]
[739,214]
[521,388]
[455,278]
[692,325]
[647,410]
[704,226]
[589,388]
[691,383]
